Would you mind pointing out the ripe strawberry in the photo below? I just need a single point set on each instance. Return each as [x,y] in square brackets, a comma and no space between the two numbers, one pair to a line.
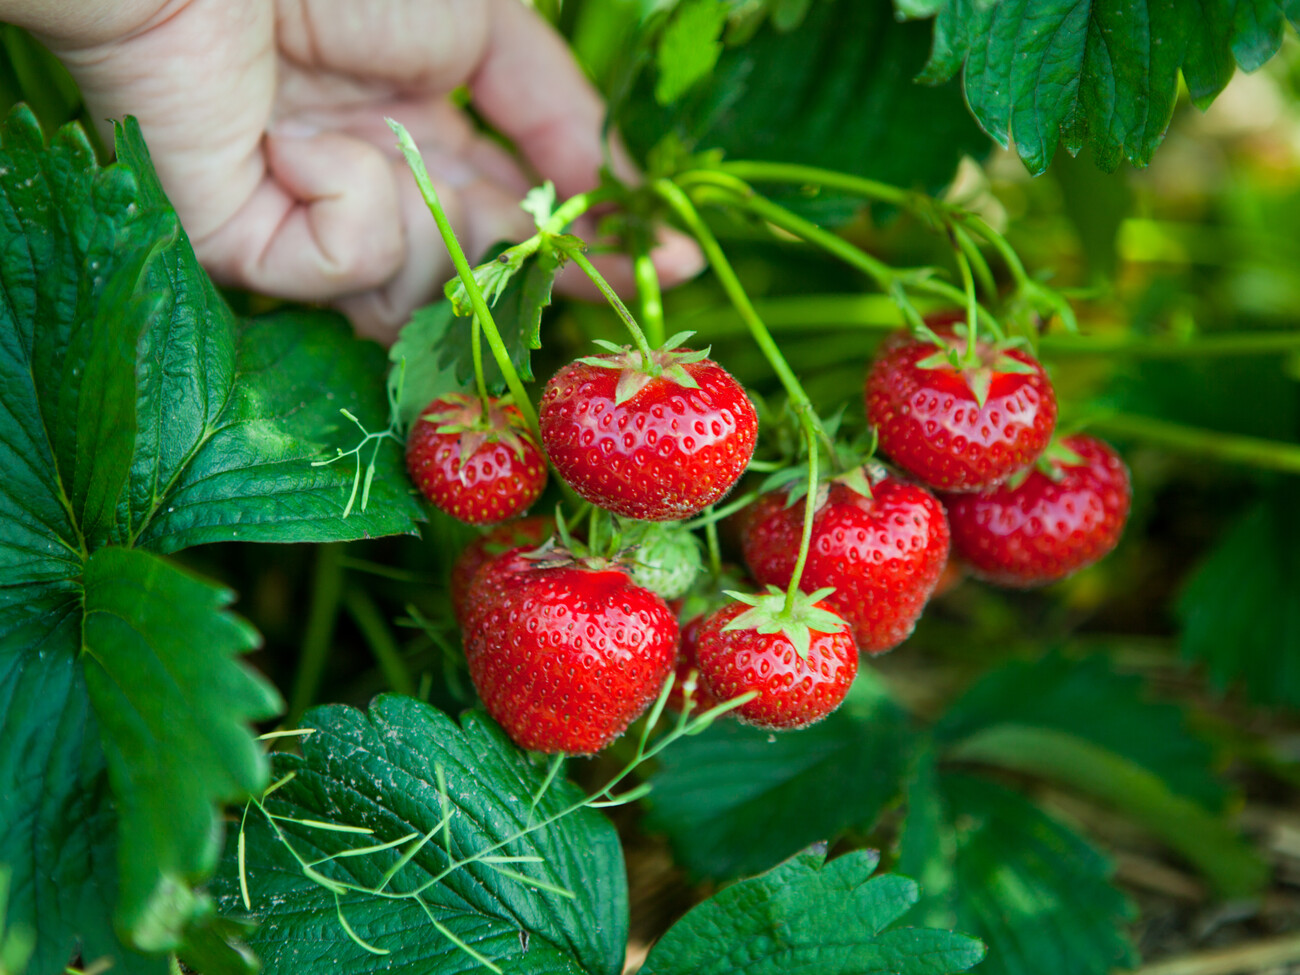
[657,441]
[522,532]
[800,663]
[879,542]
[1049,525]
[480,467]
[959,429]
[687,662]
[565,656]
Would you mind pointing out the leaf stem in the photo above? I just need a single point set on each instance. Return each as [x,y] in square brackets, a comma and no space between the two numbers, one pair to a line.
[466,274]
[873,312]
[805,541]
[326,590]
[888,279]
[638,337]
[370,621]
[681,204]
[575,206]
[652,304]
[1235,448]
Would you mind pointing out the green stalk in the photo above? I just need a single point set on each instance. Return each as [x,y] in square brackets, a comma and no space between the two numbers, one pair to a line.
[805,541]
[323,610]
[1235,448]
[370,621]
[638,337]
[799,401]
[480,380]
[1196,347]
[971,357]
[870,189]
[715,547]
[652,303]
[887,278]
[775,172]
[575,206]
[466,275]
[682,206]
[874,312]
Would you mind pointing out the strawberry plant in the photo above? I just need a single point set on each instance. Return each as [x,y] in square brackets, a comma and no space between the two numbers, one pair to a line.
[860,569]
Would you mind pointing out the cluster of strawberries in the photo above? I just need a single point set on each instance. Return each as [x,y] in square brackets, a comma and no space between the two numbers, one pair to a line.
[567,649]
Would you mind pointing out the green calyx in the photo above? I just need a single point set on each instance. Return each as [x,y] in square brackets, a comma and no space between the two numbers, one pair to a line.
[794,618]
[636,369]
[465,415]
[977,362]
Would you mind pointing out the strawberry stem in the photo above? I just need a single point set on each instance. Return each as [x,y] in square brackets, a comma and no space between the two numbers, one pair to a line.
[805,540]
[643,346]
[799,401]
[893,282]
[652,304]
[482,314]
[970,359]
[773,172]
[715,547]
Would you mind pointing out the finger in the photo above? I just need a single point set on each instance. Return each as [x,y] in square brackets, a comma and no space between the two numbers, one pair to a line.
[530,88]
[423,46]
[676,259]
[481,211]
[324,222]
[199,76]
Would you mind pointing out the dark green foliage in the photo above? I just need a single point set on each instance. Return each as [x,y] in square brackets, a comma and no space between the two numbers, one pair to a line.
[737,800]
[1103,74]
[136,412]
[810,915]
[836,91]
[1241,609]
[1087,698]
[993,864]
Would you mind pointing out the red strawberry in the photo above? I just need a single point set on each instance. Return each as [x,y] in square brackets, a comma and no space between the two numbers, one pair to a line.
[959,429]
[523,532]
[687,663]
[800,664]
[566,656]
[882,552]
[1051,524]
[657,442]
[476,466]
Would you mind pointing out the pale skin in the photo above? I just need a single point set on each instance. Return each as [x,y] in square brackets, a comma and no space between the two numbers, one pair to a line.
[265,120]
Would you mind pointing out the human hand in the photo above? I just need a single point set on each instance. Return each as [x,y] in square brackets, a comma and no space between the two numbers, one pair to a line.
[265,120]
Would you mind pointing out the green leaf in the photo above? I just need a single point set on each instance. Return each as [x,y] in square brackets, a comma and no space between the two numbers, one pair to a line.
[836,92]
[1085,697]
[689,47]
[135,409]
[380,771]
[809,915]
[736,800]
[253,480]
[1203,839]
[174,713]
[428,372]
[1103,74]
[1037,893]
[60,835]
[1240,611]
